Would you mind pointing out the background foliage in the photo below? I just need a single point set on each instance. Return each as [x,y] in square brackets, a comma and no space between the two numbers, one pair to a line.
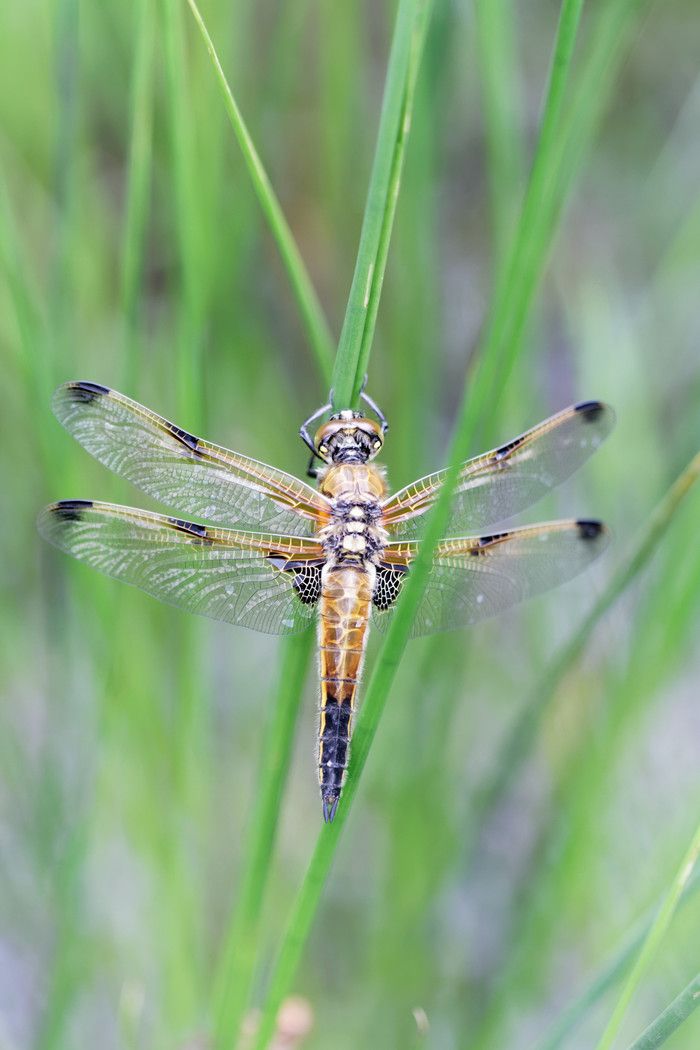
[133,252]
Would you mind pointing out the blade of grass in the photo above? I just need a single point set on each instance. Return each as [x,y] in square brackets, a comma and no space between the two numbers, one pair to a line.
[316,325]
[512,299]
[569,134]
[409,33]
[138,184]
[187,217]
[394,126]
[671,1018]
[495,26]
[653,939]
[380,682]
[236,968]
[609,976]
[520,739]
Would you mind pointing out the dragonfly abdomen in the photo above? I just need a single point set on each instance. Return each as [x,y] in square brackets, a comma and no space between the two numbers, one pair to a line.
[346,596]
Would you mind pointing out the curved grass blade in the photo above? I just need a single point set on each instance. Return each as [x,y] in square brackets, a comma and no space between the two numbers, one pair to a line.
[314,319]
[611,973]
[138,183]
[394,126]
[520,739]
[671,1018]
[653,939]
[236,969]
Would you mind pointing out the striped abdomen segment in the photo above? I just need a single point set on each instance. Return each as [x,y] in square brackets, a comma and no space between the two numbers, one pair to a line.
[346,597]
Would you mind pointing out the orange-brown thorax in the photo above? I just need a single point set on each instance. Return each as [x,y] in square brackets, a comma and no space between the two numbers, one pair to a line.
[353,482]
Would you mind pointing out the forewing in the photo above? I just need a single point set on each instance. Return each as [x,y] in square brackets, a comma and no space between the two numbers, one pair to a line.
[503,482]
[475,578]
[269,583]
[184,472]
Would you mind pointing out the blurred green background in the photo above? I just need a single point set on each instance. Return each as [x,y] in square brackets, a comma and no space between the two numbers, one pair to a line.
[133,253]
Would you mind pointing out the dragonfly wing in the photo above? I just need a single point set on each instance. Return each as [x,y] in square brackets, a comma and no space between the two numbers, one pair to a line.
[269,583]
[182,471]
[498,484]
[475,578]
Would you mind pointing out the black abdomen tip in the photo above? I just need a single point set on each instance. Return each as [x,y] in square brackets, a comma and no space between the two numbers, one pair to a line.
[589,530]
[84,391]
[590,410]
[71,509]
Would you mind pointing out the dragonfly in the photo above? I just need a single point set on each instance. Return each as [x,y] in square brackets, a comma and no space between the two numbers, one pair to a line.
[259,548]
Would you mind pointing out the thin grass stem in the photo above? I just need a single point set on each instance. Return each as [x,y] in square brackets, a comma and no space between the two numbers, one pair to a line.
[317,328]
[653,938]
[394,126]
[236,968]
[138,184]
[671,1018]
[521,737]
[608,976]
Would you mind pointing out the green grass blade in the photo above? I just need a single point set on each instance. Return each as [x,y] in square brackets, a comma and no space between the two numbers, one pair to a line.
[653,939]
[138,184]
[394,125]
[494,24]
[187,217]
[671,1018]
[524,267]
[521,737]
[609,976]
[316,325]
[377,692]
[237,966]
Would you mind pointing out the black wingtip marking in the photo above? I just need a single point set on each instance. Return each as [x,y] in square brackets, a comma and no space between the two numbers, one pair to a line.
[84,391]
[71,509]
[590,410]
[190,527]
[185,438]
[589,530]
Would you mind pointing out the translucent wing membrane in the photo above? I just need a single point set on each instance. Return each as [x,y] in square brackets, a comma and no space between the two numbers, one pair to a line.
[503,482]
[269,583]
[182,471]
[472,579]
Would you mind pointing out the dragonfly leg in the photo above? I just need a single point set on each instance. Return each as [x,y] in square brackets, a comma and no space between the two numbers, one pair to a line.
[375,408]
[304,433]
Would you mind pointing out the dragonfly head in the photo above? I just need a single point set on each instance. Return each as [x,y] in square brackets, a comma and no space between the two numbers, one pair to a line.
[348,437]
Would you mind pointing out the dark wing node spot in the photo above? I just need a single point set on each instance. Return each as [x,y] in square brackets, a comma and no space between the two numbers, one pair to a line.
[86,392]
[189,440]
[387,586]
[589,530]
[190,527]
[505,450]
[71,509]
[590,410]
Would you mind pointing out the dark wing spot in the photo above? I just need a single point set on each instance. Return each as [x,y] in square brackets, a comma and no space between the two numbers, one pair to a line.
[589,530]
[506,450]
[189,440]
[191,527]
[484,542]
[388,585]
[590,410]
[86,392]
[71,509]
